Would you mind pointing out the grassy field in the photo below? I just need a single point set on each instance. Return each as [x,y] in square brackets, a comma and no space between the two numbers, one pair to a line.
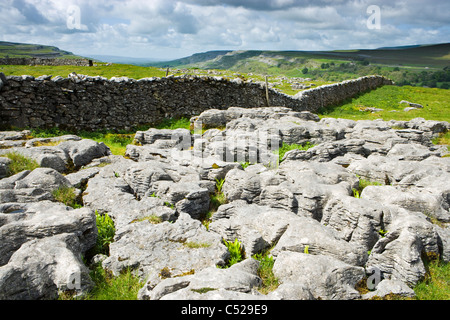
[436,104]
[115,70]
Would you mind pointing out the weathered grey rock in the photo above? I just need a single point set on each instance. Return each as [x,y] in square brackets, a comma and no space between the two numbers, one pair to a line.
[14,135]
[33,186]
[52,140]
[411,151]
[159,250]
[84,151]
[2,80]
[357,221]
[387,287]
[329,150]
[257,227]
[80,178]
[46,156]
[239,278]
[215,118]
[443,242]
[323,276]
[413,200]
[291,291]
[141,176]
[412,105]
[45,267]
[398,256]
[23,222]
[300,187]
[241,185]
[179,137]
[4,167]
[431,127]
[307,235]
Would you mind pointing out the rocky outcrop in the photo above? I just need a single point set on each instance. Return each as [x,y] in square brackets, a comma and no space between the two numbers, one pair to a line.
[326,234]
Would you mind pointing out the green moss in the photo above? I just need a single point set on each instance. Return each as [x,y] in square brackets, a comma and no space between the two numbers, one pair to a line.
[203,290]
[154,219]
[196,245]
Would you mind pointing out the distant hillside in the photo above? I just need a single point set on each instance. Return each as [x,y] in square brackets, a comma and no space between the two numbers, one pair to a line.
[124,60]
[194,59]
[24,50]
[433,56]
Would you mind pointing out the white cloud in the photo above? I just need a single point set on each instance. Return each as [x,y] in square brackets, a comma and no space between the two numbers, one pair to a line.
[169,29]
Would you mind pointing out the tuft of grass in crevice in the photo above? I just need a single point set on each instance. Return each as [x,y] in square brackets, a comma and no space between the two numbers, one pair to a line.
[217,199]
[108,287]
[68,196]
[288,147]
[265,272]
[19,163]
[363,183]
[443,139]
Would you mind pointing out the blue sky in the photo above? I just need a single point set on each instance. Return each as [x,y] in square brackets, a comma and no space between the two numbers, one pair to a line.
[166,29]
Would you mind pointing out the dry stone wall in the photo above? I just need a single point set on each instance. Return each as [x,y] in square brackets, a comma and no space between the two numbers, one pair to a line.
[44,62]
[93,103]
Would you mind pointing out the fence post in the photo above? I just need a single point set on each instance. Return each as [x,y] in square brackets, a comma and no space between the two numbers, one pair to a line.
[267,92]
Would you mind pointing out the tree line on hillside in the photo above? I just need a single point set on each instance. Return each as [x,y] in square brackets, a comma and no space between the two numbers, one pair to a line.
[338,71]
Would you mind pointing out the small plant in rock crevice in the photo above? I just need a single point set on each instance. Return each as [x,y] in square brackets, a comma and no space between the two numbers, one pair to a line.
[216,200]
[236,250]
[265,272]
[106,232]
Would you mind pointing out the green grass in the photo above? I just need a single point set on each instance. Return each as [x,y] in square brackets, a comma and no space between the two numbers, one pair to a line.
[114,70]
[107,287]
[288,147]
[436,103]
[117,142]
[67,196]
[436,285]
[216,200]
[362,184]
[171,123]
[19,163]
[265,272]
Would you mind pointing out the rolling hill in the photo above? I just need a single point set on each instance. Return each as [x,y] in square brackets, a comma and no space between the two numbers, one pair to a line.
[431,56]
[420,65]
[24,50]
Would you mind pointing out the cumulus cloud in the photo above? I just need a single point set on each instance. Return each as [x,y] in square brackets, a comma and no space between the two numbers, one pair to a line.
[174,28]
